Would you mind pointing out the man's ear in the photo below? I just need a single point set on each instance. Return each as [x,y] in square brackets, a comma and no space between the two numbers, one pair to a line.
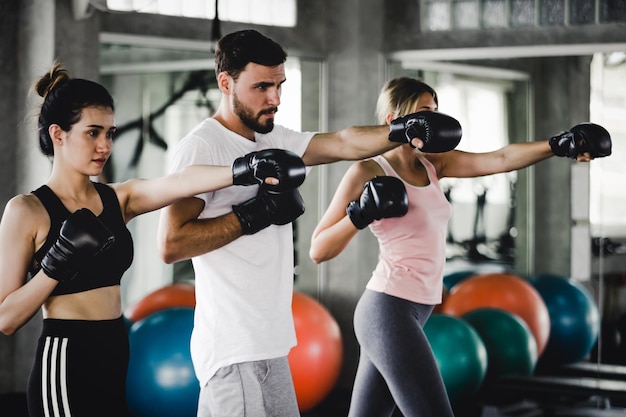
[224,82]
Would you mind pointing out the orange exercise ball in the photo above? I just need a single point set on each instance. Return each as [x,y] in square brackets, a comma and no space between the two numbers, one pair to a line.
[316,360]
[507,292]
[178,294]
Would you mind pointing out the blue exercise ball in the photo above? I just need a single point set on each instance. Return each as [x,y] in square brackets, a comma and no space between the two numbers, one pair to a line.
[161,381]
[127,323]
[460,353]
[574,319]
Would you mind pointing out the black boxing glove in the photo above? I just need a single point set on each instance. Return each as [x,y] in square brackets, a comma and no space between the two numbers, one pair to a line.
[255,167]
[584,137]
[82,237]
[438,131]
[268,208]
[382,197]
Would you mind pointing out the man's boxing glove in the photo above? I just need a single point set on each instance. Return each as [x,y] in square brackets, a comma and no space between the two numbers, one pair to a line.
[584,137]
[382,197]
[255,167]
[268,208]
[439,132]
[82,237]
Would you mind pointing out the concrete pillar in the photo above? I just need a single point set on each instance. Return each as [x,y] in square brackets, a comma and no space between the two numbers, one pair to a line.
[35,54]
[29,29]
[560,103]
[9,121]
[8,86]
[77,40]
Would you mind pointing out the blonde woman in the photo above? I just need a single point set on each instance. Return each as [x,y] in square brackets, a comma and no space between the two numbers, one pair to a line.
[398,196]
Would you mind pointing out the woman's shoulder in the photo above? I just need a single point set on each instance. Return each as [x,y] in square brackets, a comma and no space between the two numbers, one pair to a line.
[365,169]
[26,212]
[124,189]
[25,204]
[370,166]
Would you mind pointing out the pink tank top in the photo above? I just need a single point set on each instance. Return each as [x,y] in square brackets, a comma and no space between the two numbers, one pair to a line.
[413,247]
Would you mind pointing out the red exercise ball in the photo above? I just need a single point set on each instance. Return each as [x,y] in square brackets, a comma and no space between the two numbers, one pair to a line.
[507,292]
[178,294]
[316,360]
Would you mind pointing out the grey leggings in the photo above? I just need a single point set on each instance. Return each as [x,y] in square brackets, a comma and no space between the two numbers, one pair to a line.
[397,367]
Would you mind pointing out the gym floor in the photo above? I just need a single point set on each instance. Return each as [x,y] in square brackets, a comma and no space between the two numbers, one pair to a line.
[336,405]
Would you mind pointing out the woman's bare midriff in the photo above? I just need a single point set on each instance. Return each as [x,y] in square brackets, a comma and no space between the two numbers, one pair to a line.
[97,304]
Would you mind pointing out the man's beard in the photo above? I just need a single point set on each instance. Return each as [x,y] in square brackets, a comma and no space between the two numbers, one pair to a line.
[250,119]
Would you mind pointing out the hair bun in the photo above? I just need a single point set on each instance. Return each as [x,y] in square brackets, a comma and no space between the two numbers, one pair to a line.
[52,79]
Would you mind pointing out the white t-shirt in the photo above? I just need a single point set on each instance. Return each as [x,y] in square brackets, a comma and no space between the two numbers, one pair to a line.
[243,289]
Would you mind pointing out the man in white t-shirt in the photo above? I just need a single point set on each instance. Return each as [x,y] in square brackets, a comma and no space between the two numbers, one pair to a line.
[239,238]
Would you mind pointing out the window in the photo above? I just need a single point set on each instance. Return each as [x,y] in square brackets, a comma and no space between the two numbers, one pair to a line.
[442,15]
[261,12]
[607,175]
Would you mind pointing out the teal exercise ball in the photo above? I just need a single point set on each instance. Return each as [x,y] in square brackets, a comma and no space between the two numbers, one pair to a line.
[160,381]
[453,278]
[460,354]
[574,319]
[510,345]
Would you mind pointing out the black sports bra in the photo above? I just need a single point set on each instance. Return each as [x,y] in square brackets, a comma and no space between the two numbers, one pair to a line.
[108,267]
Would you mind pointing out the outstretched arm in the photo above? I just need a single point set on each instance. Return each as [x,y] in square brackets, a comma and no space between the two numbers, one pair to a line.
[349,144]
[462,164]
[138,196]
[429,131]
[582,143]
[279,169]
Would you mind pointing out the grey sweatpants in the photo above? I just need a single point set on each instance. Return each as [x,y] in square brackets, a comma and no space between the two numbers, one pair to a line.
[397,367]
[261,388]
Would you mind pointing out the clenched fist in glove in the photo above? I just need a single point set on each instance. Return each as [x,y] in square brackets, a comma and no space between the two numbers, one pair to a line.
[82,237]
[583,138]
[267,208]
[281,164]
[439,132]
[382,197]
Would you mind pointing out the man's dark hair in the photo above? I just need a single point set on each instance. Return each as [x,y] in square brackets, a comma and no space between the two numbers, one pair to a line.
[235,50]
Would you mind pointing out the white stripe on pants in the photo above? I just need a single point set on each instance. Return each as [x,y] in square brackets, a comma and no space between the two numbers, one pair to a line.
[55,360]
